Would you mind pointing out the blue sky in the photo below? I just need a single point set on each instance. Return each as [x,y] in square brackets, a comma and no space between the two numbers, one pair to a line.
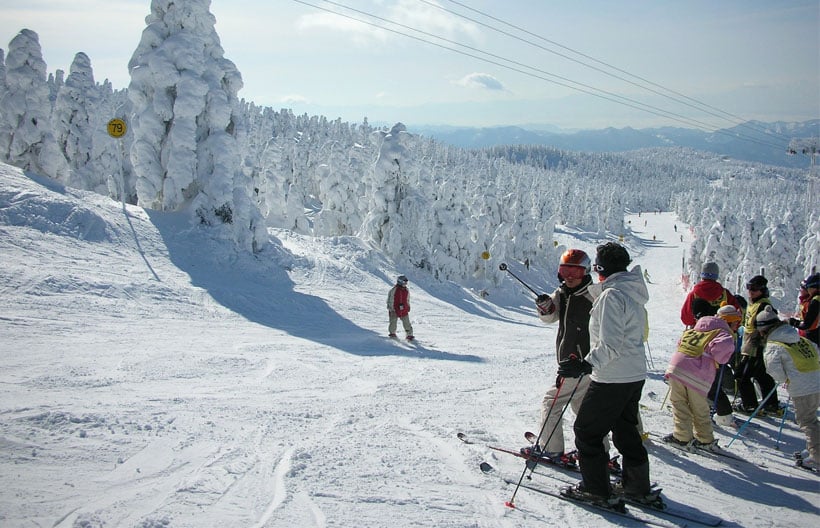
[755,59]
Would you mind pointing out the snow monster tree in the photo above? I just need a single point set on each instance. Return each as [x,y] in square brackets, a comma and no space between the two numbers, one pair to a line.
[185,122]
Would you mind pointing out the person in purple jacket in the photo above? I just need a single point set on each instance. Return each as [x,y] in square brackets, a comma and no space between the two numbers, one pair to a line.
[691,371]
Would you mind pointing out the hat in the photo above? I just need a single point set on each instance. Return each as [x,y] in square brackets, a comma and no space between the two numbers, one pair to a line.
[710,270]
[812,281]
[729,313]
[611,258]
[758,282]
[766,317]
[702,308]
[401,279]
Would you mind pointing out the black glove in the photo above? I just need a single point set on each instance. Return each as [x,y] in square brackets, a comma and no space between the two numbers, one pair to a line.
[574,368]
[559,380]
[794,322]
[544,304]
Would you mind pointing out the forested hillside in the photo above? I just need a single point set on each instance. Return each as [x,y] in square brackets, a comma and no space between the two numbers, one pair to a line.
[239,168]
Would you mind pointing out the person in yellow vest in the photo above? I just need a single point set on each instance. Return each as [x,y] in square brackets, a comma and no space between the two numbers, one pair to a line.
[809,323]
[793,360]
[752,367]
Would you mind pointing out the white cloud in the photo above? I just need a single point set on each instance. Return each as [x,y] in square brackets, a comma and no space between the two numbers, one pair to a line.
[481,80]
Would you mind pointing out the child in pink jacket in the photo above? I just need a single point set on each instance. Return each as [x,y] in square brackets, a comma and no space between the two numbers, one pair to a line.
[691,371]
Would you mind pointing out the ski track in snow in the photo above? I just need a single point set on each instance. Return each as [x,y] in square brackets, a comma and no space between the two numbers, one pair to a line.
[152,378]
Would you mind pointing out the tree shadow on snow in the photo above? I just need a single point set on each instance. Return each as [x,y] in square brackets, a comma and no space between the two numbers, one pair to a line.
[259,289]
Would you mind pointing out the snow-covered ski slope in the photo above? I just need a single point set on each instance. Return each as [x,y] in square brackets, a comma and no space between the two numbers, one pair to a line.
[152,377]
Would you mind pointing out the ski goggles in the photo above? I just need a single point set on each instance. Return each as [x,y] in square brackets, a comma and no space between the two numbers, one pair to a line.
[571,272]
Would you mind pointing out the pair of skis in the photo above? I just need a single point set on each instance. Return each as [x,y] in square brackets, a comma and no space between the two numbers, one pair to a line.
[717,453]
[534,460]
[670,509]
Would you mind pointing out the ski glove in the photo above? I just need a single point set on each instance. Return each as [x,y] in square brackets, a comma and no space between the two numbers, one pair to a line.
[574,368]
[794,322]
[544,304]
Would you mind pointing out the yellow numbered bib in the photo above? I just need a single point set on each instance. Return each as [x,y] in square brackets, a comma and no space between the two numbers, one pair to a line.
[803,354]
[693,342]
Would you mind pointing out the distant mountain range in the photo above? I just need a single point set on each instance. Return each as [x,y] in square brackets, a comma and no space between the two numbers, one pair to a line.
[752,141]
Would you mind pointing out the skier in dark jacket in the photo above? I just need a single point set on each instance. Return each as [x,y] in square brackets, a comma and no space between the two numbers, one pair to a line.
[569,305]
[752,367]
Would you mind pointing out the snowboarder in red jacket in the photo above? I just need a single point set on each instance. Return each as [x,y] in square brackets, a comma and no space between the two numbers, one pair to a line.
[398,307]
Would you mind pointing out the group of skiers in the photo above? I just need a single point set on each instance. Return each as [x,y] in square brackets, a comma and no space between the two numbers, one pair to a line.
[600,347]
[766,350]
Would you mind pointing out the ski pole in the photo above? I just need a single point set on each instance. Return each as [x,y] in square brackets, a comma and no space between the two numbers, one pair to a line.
[719,388]
[746,423]
[503,267]
[649,352]
[782,423]
[511,503]
[666,397]
[558,422]
[549,413]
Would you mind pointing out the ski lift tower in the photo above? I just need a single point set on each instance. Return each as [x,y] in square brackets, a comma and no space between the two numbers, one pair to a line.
[811,148]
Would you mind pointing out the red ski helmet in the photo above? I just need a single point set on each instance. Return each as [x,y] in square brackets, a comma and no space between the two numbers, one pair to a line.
[576,257]
[573,264]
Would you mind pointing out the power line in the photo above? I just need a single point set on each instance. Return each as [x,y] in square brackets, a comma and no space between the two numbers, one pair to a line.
[655,110]
[587,89]
[704,107]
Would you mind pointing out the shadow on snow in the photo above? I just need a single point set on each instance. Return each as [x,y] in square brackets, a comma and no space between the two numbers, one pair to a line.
[259,289]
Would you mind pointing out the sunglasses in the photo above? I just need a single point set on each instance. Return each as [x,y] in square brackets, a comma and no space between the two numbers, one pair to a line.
[753,288]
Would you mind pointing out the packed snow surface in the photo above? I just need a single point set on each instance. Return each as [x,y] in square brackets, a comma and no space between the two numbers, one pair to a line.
[152,376]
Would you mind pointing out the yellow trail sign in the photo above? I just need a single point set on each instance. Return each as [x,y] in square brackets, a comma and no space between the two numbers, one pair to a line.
[117,128]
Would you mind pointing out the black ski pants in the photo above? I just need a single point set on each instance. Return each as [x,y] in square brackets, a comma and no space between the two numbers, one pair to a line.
[611,407]
[721,402]
[754,369]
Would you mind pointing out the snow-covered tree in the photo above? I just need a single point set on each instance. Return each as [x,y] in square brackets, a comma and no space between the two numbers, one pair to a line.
[808,256]
[76,102]
[26,110]
[184,94]
[5,123]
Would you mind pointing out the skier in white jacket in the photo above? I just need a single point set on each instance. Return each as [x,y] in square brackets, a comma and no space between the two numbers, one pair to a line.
[617,369]
[794,360]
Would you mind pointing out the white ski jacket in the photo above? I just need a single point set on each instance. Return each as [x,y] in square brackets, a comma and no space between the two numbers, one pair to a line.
[780,364]
[616,328]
